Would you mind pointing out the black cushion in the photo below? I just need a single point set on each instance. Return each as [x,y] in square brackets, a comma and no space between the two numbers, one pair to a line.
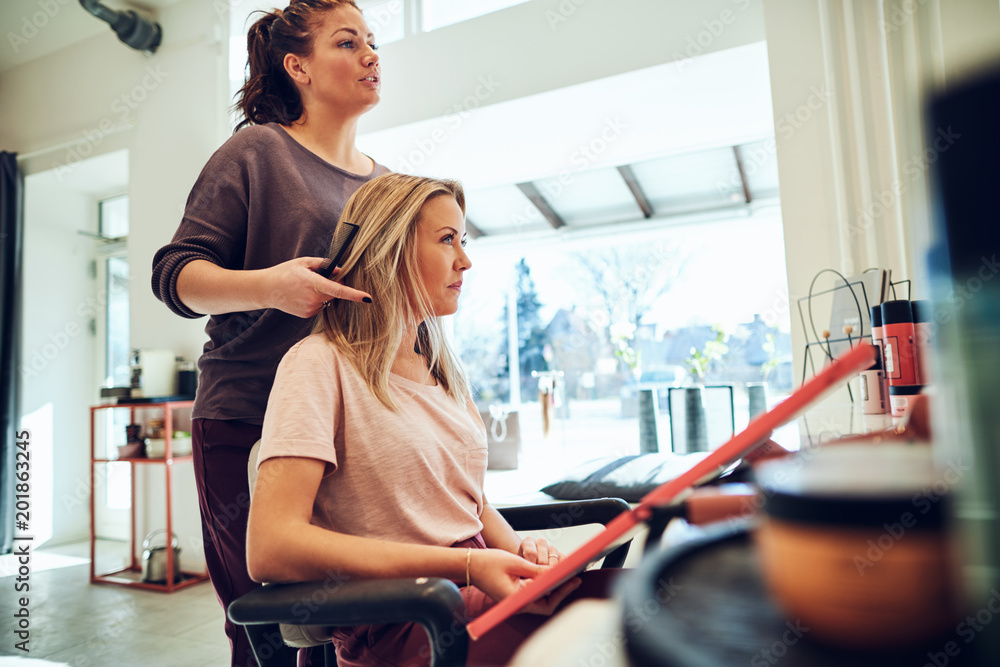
[627,477]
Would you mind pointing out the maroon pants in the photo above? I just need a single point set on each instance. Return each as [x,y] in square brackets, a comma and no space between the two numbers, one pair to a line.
[221,452]
[407,644]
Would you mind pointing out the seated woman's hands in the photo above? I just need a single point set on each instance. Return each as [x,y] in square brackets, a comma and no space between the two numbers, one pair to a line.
[538,550]
[499,574]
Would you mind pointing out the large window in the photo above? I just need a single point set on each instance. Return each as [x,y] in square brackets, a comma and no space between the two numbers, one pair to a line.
[441,13]
[114,227]
[615,312]
[389,20]
[113,273]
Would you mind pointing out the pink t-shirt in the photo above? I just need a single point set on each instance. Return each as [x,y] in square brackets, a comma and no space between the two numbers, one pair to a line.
[414,476]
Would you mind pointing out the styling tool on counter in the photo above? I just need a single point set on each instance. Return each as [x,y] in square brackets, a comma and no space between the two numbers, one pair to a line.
[897,331]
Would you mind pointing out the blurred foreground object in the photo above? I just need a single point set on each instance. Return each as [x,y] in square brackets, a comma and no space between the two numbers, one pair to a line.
[963,269]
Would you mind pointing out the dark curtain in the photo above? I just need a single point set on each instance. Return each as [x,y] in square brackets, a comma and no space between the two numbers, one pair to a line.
[11,226]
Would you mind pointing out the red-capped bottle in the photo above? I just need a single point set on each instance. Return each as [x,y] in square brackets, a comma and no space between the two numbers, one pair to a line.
[900,355]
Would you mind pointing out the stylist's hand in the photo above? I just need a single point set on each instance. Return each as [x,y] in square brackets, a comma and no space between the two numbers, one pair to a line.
[295,288]
[499,574]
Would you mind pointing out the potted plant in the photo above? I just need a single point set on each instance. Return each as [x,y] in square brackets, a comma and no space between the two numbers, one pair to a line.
[695,431]
[701,360]
[621,335]
[757,391]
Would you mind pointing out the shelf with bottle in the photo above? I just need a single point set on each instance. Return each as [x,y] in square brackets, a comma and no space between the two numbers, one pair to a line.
[135,451]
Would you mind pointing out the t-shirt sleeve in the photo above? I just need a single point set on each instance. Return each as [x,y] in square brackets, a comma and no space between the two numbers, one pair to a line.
[302,409]
[214,226]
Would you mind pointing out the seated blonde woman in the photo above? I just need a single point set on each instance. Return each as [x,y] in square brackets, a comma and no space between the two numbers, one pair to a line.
[373,454]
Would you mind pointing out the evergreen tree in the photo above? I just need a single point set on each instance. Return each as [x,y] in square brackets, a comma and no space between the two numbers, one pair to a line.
[531,335]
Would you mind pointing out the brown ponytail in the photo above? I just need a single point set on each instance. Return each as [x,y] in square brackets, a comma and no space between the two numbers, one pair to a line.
[269,95]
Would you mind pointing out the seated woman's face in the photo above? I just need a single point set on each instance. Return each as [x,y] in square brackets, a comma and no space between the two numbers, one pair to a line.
[441,258]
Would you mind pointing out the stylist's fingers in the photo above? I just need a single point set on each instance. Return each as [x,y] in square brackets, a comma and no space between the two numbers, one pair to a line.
[329,289]
[295,288]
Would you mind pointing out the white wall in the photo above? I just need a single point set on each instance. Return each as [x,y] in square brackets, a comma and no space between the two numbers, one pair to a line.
[57,357]
[550,44]
[849,81]
[720,99]
[168,111]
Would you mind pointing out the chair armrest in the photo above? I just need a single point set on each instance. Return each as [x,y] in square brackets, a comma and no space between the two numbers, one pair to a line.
[435,604]
[562,515]
[577,513]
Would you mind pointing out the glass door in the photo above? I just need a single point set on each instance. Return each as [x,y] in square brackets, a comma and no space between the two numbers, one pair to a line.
[113,481]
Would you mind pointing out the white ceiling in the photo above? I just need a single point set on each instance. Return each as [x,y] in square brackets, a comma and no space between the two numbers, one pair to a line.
[101,177]
[693,140]
[64,24]
[675,132]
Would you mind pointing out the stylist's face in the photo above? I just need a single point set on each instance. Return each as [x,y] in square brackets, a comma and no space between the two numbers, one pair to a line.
[441,258]
[343,69]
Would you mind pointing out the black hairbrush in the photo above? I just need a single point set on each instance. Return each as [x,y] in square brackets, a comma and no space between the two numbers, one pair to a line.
[342,238]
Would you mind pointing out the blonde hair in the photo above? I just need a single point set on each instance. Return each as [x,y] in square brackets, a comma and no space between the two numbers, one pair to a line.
[382,261]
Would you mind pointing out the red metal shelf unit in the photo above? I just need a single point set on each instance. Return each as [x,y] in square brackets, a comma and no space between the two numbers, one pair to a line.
[167,461]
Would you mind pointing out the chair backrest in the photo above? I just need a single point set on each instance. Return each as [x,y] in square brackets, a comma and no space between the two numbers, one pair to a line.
[252,466]
[301,636]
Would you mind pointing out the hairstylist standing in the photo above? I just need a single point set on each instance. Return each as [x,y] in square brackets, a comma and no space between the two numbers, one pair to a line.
[256,226]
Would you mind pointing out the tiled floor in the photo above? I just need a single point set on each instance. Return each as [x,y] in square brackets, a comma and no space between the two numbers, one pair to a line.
[76,623]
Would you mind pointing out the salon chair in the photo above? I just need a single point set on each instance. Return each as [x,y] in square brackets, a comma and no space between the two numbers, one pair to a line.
[434,603]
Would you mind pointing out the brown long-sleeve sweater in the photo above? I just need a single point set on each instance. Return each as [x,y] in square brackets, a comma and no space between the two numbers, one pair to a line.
[261,199]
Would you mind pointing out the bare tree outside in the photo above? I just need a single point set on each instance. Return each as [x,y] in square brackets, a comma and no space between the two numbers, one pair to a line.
[623,283]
